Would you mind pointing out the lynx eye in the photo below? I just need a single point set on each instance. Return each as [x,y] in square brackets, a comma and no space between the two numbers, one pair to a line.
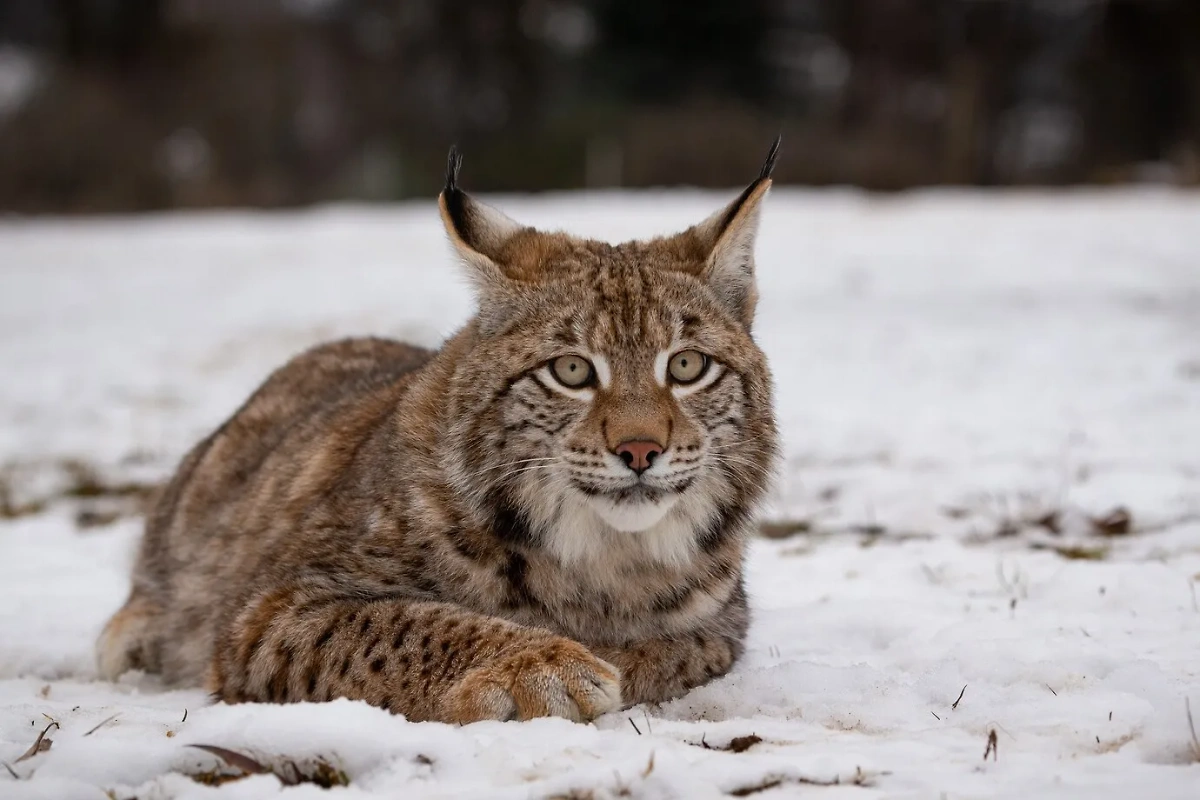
[572,371]
[687,366]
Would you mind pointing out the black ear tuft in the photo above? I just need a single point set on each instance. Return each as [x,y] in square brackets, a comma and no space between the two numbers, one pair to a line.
[764,174]
[454,164]
[767,167]
[454,198]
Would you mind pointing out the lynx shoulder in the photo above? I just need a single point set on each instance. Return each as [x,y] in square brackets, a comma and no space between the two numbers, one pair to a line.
[546,516]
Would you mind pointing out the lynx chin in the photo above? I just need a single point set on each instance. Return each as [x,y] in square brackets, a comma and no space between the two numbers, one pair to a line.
[546,516]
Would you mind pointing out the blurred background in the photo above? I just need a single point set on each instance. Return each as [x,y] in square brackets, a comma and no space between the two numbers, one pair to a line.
[127,105]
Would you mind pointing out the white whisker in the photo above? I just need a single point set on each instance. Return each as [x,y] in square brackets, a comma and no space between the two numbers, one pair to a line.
[510,464]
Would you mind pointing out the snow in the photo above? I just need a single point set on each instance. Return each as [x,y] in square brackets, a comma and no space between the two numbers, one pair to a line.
[949,366]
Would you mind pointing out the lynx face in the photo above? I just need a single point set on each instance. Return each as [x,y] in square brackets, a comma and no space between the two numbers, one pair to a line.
[614,390]
[640,402]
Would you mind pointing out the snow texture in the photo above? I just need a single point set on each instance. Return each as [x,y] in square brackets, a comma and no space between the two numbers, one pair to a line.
[966,383]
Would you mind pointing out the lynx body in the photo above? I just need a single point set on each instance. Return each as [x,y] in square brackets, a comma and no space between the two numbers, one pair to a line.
[547,516]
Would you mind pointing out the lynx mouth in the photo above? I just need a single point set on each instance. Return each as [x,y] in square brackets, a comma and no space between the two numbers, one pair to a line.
[633,495]
[635,492]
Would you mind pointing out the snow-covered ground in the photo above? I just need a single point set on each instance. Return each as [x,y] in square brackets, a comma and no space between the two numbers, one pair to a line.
[967,384]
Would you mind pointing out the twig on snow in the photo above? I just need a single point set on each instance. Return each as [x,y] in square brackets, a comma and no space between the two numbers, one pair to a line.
[102,724]
[954,706]
[992,745]
[634,724]
[1051,688]
[769,783]
[11,771]
[184,716]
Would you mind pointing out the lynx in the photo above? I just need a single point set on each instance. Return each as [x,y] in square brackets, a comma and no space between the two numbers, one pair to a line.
[545,517]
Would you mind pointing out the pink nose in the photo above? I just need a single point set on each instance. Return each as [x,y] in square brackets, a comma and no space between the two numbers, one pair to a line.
[638,454]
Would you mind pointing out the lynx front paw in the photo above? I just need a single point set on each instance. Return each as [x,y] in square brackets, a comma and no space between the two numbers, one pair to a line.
[551,678]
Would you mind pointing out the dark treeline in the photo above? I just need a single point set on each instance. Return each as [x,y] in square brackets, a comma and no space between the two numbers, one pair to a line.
[146,104]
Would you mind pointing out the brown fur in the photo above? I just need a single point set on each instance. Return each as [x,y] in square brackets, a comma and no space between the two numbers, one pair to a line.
[433,532]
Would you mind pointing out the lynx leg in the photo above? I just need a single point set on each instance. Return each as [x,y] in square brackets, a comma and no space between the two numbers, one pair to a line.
[654,670]
[426,660]
[124,643]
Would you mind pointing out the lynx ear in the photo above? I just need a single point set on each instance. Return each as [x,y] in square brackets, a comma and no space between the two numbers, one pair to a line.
[478,232]
[725,242]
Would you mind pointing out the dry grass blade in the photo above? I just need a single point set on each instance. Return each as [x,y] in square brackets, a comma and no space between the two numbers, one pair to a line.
[1187,705]
[215,777]
[1075,552]
[859,778]
[102,724]
[233,759]
[744,791]
[318,772]
[40,745]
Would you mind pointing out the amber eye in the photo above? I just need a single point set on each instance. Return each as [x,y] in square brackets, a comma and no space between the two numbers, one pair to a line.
[687,366]
[572,371]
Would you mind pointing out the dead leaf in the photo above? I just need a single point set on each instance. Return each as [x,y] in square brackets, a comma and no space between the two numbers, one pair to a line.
[1051,521]
[1118,522]
[40,745]
[784,529]
[741,744]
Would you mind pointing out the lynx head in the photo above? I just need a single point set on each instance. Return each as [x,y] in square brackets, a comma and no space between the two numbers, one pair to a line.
[611,392]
